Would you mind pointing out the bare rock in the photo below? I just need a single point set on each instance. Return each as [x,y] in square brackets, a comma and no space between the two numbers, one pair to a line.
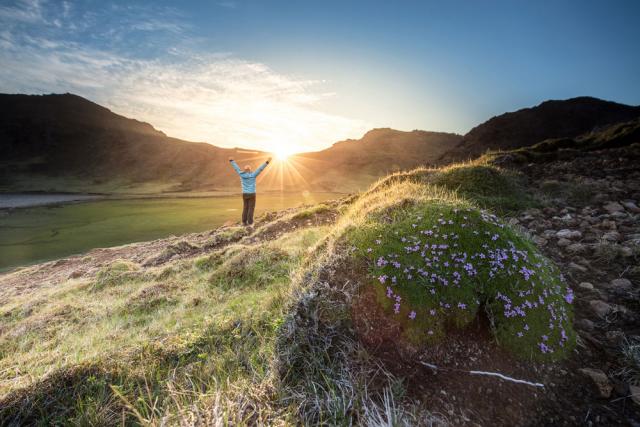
[600,380]
[634,390]
[620,284]
[564,242]
[600,308]
[577,268]
[586,286]
[585,324]
[76,273]
[613,207]
[612,236]
[568,234]
[631,207]
[608,224]
[577,248]
[540,241]
[626,251]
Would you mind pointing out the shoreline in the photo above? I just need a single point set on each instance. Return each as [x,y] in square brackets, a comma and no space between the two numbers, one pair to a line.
[25,200]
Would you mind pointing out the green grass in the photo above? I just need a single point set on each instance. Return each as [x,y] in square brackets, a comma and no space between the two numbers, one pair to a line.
[146,334]
[43,233]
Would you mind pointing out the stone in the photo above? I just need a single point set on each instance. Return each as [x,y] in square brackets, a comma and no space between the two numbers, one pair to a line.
[585,324]
[564,242]
[586,286]
[608,224]
[577,248]
[612,236]
[626,251]
[600,197]
[600,380]
[568,234]
[631,207]
[75,274]
[634,391]
[634,238]
[539,240]
[600,308]
[577,268]
[619,215]
[616,338]
[613,207]
[621,284]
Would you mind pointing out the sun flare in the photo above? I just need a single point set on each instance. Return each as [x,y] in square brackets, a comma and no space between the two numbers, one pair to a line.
[283,151]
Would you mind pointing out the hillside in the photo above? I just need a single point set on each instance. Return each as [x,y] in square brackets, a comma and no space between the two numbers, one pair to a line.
[309,318]
[354,164]
[551,119]
[67,143]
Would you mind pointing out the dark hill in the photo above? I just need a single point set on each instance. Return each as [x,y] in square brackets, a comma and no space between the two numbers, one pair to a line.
[66,136]
[67,143]
[356,163]
[551,119]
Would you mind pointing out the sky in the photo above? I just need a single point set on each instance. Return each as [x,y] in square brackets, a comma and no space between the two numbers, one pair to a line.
[292,76]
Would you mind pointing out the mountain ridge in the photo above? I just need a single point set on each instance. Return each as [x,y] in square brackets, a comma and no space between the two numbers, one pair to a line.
[68,137]
[64,142]
[550,119]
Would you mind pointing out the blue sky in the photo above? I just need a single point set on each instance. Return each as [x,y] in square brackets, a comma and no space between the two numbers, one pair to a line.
[303,74]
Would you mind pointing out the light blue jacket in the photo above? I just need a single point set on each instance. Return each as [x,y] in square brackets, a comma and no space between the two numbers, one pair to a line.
[248,179]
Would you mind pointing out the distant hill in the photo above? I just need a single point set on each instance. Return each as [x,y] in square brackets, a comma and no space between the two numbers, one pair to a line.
[551,119]
[353,163]
[66,142]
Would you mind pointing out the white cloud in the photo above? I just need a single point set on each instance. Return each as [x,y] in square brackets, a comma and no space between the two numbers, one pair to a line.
[29,11]
[212,97]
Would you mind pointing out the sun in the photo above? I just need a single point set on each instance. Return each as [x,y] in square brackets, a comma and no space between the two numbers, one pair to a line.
[282,152]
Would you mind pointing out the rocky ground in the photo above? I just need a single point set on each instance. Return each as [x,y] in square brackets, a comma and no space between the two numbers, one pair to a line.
[589,225]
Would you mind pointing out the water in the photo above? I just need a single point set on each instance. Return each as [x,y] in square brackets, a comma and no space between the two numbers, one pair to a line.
[41,233]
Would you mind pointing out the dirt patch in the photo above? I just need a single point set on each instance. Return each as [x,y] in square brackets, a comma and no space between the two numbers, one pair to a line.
[450,390]
[277,228]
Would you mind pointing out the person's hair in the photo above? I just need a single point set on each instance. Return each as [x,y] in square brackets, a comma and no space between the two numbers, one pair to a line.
[247,167]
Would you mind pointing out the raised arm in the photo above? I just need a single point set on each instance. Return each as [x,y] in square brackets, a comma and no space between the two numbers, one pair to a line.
[235,165]
[261,167]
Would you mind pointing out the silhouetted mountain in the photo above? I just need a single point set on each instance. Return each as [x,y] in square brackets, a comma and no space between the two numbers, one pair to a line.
[352,163]
[65,142]
[550,119]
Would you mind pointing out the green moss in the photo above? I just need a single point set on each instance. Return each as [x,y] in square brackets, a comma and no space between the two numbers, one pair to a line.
[490,187]
[443,264]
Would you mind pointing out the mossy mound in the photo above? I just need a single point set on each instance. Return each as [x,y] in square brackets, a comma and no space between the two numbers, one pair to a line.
[435,265]
[488,185]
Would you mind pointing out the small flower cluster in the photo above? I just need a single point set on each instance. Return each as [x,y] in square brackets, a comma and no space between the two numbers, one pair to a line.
[457,258]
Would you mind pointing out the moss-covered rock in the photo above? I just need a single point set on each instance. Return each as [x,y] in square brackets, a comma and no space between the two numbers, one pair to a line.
[436,265]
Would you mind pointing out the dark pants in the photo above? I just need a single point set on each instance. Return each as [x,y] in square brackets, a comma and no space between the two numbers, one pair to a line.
[248,205]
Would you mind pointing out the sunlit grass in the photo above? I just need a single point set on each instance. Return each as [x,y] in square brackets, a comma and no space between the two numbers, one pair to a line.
[124,309]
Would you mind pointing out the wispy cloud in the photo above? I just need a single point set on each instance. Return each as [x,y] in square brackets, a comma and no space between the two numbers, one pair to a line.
[212,97]
[228,4]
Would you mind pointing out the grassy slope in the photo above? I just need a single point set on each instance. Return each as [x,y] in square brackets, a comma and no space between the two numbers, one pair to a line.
[249,333]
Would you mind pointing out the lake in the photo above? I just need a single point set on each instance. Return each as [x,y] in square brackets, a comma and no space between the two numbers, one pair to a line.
[42,233]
